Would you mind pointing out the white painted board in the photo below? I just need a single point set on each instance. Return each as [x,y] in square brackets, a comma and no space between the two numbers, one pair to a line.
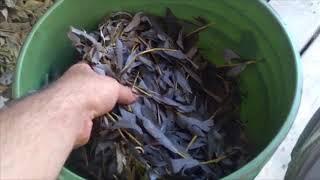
[301,17]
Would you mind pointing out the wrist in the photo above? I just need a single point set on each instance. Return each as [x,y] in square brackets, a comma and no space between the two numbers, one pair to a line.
[45,123]
[67,112]
[73,113]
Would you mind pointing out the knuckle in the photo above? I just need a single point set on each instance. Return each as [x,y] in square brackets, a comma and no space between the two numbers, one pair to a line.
[81,67]
[113,82]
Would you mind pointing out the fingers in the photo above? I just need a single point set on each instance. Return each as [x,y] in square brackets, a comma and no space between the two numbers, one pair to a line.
[126,96]
[123,94]
[82,81]
[110,93]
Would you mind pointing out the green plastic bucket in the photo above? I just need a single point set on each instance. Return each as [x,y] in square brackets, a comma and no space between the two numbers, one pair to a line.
[273,86]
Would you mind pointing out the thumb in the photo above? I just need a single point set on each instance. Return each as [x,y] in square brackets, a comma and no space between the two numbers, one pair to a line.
[126,96]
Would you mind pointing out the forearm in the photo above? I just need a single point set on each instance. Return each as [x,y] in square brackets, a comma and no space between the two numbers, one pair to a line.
[36,134]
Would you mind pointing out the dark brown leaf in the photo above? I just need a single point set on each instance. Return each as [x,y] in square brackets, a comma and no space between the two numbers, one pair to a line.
[180,39]
[183,164]
[134,23]
[236,70]
[119,52]
[127,121]
[84,34]
[195,126]
[182,81]
[154,131]
[192,52]
[228,55]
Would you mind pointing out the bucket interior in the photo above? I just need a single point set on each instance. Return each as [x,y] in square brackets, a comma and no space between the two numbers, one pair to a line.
[247,27]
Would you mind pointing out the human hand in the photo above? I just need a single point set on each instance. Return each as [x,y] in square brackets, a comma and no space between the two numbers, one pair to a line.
[91,95]
[53,121]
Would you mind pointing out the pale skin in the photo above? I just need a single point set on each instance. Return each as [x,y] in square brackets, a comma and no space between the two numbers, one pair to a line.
[38,133]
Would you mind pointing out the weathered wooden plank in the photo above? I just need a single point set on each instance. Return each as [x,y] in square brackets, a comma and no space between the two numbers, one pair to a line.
[301,17]
[310,102]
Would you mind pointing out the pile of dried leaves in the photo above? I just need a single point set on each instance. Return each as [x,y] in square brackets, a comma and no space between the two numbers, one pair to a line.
[185,123]
[16,20]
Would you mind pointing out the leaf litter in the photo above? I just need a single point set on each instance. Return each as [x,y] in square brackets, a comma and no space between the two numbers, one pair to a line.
[16,20]
[188,109]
